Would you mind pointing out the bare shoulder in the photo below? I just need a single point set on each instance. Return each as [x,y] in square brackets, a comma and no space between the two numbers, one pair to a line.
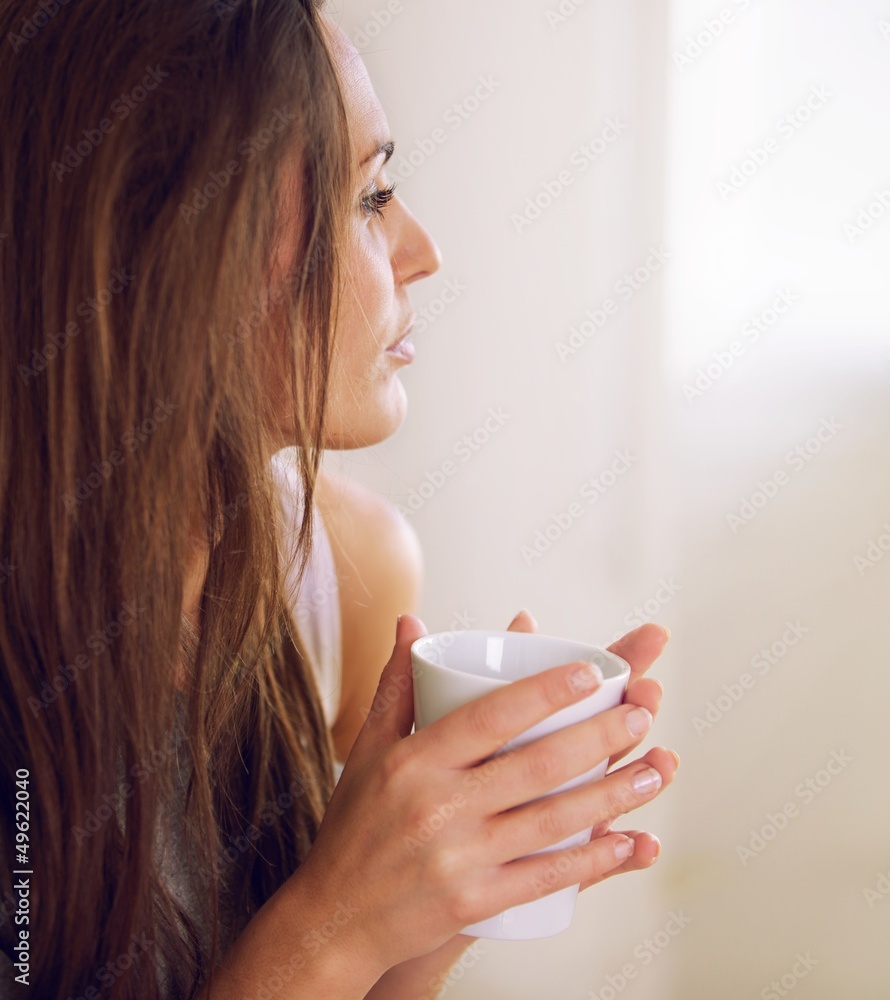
[379,565]
[365,521]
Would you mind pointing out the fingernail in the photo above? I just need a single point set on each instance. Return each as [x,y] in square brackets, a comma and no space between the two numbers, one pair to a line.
[624,848]
[638,721]
[676,757]
[646,781]
[400,622]
[657,846]
[532,619]
[667,631]
[587,678]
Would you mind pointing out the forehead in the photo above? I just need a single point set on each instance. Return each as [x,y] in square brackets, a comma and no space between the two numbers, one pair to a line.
[366,117]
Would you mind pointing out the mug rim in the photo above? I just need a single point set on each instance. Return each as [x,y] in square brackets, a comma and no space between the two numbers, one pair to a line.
[621,665]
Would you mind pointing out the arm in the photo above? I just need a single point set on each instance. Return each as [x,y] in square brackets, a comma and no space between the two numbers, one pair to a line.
[278,953]
[420,978]
[379,564]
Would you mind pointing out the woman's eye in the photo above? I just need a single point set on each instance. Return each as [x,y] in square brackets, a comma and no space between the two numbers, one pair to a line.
[374,202]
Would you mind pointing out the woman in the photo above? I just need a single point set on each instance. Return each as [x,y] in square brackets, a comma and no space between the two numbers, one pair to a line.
[203,267]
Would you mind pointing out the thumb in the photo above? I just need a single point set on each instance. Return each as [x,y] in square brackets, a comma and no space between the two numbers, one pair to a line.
[391,714]
[523,622]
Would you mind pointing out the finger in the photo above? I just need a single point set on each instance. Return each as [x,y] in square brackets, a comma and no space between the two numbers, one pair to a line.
[523,622]
[641,648]
[551,871]
[645,692]
[647,848]
[475,731]
[392,711]
[659,753]
[540,824]
[544,764]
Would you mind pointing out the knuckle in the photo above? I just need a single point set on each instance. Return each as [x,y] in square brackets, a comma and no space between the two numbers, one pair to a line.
[463,901]
[443,865]
[417,813]
[543,765]
[592,870]
[459,899]
[559,690]
[619,736]
[555,872]
[548,824]
[619,798]
[465,905]
[394,763]
[485,720]
[598,744]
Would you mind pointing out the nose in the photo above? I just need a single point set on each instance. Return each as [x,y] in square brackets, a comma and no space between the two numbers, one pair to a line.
[415,254]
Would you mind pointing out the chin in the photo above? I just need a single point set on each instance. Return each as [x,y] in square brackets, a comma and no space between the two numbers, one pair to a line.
[379,417]
[376,417]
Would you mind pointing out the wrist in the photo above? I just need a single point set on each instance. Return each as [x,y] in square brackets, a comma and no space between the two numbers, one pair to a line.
[298,944]
[331,935]
[425,977]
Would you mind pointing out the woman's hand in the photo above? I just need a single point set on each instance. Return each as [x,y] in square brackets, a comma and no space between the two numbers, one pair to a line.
[422,978]
[425,833]
[641,648]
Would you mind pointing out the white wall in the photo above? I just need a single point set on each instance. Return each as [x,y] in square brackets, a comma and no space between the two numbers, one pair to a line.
[665,519]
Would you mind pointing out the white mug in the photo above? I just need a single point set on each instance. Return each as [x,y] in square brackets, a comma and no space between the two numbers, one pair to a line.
[453,668]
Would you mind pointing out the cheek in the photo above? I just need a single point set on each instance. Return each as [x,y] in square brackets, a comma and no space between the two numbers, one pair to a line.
[371,290]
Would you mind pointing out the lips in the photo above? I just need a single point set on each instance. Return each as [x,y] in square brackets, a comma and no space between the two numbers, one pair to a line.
[405,332]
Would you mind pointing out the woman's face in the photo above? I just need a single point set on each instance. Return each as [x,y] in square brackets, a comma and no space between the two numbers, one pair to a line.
[385,253]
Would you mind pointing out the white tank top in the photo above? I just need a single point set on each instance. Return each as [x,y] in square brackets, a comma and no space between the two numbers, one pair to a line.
[315,603]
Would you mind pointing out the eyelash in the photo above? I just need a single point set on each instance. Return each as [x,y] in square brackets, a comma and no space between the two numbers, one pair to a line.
[376,201]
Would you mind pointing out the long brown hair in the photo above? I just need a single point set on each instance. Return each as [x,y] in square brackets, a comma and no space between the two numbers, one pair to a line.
[146,149]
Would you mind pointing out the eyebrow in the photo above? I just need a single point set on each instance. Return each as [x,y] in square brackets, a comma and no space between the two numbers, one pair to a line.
[382,147]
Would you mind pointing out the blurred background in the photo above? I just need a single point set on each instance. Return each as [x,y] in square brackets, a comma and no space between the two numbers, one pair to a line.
[653,383]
